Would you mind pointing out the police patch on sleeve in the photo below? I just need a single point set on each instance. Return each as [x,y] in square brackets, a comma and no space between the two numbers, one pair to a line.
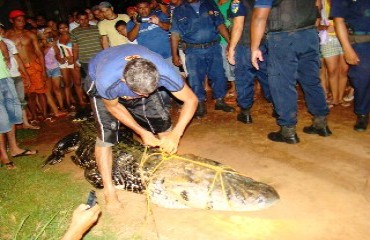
[234,7]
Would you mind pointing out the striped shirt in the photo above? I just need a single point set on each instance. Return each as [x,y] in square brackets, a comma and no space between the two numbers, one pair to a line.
[88,41]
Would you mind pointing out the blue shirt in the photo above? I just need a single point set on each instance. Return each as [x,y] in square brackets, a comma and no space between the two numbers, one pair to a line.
[356,13]
[197,28]
[106,70]
[152,36]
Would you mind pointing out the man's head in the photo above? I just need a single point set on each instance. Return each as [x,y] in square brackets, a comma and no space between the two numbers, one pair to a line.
[97,13]
[83,19]
[17,18]
[143,8]
[40,21]
[121,27]
[141,76]
[131,11]
[107,9]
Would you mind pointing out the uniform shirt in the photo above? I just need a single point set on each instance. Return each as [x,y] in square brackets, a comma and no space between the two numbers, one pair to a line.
[153,36]
[107,67]
[197,27]
[356,13]
[106,28]
[239,8]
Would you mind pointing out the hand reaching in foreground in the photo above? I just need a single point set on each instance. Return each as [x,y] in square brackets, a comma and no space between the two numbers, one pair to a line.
[82,220]
[170,142]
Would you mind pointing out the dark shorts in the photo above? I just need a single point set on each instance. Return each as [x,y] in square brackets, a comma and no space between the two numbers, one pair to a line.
[150,113]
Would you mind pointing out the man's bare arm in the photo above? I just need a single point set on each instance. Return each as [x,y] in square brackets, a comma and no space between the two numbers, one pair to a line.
[236,33]
[224,32]
[104,42]
[258,26]
[175,39]
[170,141]
[350,55]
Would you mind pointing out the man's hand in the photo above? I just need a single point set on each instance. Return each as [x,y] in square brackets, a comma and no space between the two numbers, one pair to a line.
[231,56]
[170,142]
[256,55]
[351,57]
[82,220]
[154,19]
[149,139]
[176,60]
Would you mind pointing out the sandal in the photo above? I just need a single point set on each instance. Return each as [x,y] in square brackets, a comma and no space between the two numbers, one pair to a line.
[9,165]
[49,119]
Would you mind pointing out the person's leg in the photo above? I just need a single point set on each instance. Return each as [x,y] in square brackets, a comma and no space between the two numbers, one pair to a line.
[67,79]
[50,99]
[76,76]
[56,87]
[216,74]
[343,77]
[107,127]
[333,68]
[244,81]
[360,78]
[13,145]
[32,104]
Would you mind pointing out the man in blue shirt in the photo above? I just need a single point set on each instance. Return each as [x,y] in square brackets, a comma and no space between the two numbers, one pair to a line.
[239,55]
[294,56]
[123,88]
[356,45]
[197,23]
[152,32]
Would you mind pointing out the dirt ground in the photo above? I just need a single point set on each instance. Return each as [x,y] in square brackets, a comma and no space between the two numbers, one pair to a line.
[323,182]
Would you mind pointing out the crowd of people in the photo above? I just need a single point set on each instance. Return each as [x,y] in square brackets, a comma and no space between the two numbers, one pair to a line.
[96,59]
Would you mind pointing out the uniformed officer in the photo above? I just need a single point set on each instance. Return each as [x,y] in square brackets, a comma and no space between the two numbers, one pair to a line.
[239,54]
[356,46]
[197,23]
[294,56]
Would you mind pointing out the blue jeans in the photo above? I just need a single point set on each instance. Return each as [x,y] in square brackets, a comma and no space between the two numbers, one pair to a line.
[10,106]
[295,57]
[206,62]
[360,78]
[245,74]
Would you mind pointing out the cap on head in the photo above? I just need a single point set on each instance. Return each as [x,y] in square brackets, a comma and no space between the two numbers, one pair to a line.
[16,13]
[105,5]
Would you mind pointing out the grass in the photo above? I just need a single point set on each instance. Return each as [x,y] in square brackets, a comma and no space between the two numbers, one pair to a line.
[37,203]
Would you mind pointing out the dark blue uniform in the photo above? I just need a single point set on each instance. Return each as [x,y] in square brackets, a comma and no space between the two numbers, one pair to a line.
[244,71]
[198,30]
[294,56]
[356,15]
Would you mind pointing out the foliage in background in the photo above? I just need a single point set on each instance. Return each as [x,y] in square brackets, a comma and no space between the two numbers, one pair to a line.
[37,203]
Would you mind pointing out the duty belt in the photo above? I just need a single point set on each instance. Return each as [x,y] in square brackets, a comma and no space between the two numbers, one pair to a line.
[200,45]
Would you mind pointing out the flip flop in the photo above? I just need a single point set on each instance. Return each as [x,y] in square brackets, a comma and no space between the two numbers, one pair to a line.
[9,165]
[26,152]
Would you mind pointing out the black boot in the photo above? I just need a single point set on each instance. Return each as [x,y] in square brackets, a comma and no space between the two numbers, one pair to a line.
[201,110]
[221,105]
[319,127]
[362,122]
[286,134]
[244,116]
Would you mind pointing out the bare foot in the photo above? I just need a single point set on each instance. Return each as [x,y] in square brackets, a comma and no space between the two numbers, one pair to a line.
[29,126]
[112,201]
